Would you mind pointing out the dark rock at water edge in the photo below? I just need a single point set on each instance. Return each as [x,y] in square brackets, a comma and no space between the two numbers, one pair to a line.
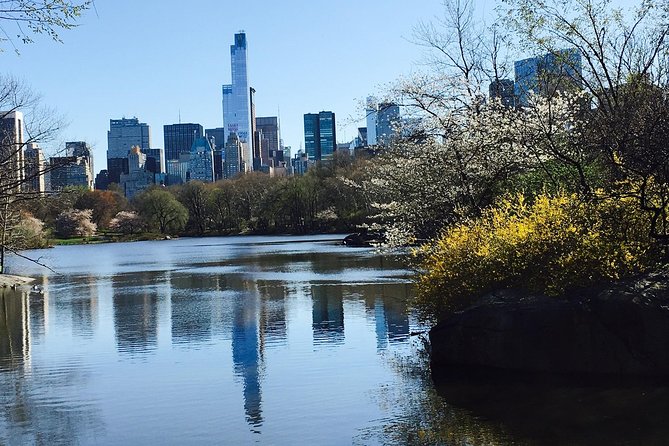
[362,240]
[621,329]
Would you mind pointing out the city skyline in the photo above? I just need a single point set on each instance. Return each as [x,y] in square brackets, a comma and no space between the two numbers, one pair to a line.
[133,65]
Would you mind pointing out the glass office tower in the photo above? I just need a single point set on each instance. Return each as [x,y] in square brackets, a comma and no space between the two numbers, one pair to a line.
[237,100]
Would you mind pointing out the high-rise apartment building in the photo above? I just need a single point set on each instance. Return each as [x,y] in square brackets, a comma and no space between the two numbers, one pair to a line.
[312,136]
[237,100]
[35,165]
[73,169]
[547,74]
[370,114]
[271,136]
[123,135]
[387,123]
[179,138]
[320,135]
[504,90]
[12,148]
[383,123]
[138,178]
[233,155]
[217,139]
[328,134]
[201,164]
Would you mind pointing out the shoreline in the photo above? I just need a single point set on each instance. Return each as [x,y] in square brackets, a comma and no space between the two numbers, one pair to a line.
[13,281]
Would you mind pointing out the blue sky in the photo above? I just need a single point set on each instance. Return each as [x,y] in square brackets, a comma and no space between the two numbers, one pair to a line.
[154,59]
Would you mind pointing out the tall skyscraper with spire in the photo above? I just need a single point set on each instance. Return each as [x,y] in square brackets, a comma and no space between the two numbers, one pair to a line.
[237,100]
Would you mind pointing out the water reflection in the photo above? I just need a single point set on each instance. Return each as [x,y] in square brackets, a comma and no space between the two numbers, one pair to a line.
[328,314]
[37,408]
[84,307]
[273,311]
[225,336]
[246,355]
[14,329]
[135,306]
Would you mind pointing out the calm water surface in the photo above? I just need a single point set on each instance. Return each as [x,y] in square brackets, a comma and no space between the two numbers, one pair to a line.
[233,340]
[264,340]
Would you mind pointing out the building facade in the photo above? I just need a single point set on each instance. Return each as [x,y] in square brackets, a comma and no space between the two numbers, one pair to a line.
[138,178]
[387,123]
[320,135]
[123,135]
[12,148]
[35,166]
[547,74]
[201,164]
[237,100]
[75,169]
[504,90]
[216,138]
[268,126]
[233,155]
[179,138]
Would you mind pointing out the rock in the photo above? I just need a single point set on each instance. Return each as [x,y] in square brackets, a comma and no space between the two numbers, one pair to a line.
[622,329]
[362,240]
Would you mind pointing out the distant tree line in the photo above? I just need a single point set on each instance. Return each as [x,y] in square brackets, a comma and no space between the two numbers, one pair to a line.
[326,199]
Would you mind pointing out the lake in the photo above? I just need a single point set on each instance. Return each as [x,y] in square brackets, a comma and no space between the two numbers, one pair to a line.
[263,340]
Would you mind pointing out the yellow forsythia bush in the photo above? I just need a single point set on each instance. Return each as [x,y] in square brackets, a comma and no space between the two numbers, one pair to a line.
[549,246]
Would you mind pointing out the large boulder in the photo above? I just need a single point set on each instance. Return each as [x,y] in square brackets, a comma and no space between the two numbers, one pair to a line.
[621,329]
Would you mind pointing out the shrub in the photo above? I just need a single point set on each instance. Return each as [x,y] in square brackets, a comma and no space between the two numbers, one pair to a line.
[549,246]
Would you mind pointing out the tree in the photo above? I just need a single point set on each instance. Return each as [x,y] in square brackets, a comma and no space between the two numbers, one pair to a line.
[105,204]
[23,121]
[193,195]
[161,210]
[26,18]
[75,223]
[625,71]
[127,222]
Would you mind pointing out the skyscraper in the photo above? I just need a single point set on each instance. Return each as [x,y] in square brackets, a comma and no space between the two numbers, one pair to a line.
[328,134]
[233,149]
[312,137]
[387,123]
[201,164]
[34,168]
[269,126]
[73,169]
[503,89]
[179,138]
[370,113]
[217,139]
[11,147]
[123,135]
[320,135]
[237,100]
[547,74]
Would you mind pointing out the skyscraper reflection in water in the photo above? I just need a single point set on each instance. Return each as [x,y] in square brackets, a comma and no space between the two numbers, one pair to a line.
[328,314]
[246,354]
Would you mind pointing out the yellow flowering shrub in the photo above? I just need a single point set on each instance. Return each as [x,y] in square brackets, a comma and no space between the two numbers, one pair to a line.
[550,245]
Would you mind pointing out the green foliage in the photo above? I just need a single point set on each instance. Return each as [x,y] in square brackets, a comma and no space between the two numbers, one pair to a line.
[33,17]
[161,210]
[549,246]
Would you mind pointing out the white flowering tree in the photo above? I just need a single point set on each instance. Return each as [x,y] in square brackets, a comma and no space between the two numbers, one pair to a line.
[606,127]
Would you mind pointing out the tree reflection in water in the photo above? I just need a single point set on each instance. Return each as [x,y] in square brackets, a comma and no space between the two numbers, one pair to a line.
[483,409]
